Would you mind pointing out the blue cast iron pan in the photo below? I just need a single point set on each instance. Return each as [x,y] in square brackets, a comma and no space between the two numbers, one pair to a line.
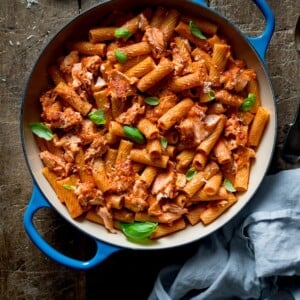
[253,49]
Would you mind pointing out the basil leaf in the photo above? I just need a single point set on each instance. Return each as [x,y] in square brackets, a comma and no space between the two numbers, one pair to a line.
[97,117]
[191,172]
[164,142]
[120,56]
[41,131]
[211,94]
[228,185]
[138,230]
[195,30]
[152,100]
[134,134]
[248,102]
[69,187]
[122,33]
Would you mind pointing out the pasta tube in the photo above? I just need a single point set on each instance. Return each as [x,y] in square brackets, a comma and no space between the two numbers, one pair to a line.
[175,114]
[258,126]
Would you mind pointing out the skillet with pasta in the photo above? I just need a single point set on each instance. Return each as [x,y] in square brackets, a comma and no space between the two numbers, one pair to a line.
[151,125]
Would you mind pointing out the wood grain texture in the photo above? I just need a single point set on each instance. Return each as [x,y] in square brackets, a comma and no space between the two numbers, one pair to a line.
[25,273]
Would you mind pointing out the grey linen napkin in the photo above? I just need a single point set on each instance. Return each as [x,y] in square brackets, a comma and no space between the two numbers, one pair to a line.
[248,256]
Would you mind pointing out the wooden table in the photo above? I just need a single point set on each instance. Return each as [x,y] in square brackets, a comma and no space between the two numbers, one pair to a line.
[25,273]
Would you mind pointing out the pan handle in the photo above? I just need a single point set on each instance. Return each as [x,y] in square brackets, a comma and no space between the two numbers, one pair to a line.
[260,43]
[38,201]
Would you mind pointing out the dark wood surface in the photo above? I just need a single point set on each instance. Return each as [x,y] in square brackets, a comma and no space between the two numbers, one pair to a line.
[25,273]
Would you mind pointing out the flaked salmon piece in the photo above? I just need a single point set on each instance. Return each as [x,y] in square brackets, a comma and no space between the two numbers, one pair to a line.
[164,185]
[181,50]
[85,72]
[56,164]
[211,121]
[66,119]
[232,125]
[236,78]
[136,200]
[197,126]
[69,118]
[155,207]
[194,130]
[87,194]
[107,218]
[92,64]
[243,156]
[186,131]
[97,148]
[197,111]
[121,177]
[228,98]
[180,181]
[81,77]
[69,60]
[173,208]
[100,83]
[120,86]
[169,217]
[88,131]
[130,116]
[201,131]
[50,104]
[235,128]
[70,143]
[156,39]
[56,114]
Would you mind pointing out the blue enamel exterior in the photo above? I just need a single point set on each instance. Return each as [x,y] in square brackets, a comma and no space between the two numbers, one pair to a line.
[104,250]
[37,202]
[260,43]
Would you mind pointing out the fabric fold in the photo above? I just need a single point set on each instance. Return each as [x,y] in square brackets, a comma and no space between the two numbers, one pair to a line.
[245,258]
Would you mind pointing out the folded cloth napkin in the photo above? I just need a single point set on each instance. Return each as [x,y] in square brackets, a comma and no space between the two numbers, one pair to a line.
[248,256]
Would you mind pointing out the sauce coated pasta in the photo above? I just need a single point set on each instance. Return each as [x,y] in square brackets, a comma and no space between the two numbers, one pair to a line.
[152,118]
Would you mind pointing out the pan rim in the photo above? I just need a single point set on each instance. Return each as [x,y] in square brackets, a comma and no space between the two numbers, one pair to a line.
[78,225]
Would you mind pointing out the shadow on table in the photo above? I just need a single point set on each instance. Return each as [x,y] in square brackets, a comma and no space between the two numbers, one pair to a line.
[130,274]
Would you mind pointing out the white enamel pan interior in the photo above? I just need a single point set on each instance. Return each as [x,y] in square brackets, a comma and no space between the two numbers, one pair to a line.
[38,83]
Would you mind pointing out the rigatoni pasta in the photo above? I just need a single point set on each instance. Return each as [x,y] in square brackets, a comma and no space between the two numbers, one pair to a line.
[152,121]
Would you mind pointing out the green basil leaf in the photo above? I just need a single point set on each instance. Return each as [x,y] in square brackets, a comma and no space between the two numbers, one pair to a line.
[97,117]
[138,230]
[120,56]
[152,100]
[134,134]
[211,94]
[248,102]
[69,187]
[122,33]
[191,172]
[164,142]
[41,131]
[195,30]
[228,185]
